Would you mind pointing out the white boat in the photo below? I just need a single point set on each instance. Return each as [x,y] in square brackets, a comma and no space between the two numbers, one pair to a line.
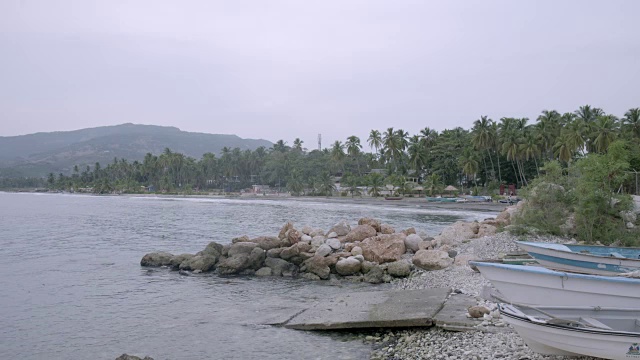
[596,260]
[534,285]
[607,333]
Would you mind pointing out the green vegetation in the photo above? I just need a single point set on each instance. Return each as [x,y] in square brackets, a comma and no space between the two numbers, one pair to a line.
[584,200]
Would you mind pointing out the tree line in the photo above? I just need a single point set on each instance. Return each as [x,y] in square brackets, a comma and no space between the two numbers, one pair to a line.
[490,153]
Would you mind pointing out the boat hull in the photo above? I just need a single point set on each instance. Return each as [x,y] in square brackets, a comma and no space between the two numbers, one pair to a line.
[557,340]
[562,258]
[533,285]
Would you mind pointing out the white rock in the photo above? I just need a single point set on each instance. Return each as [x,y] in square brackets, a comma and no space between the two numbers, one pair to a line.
[357,250]
[324,250]
[332,235]
[306,238]
[359,258]
[317,240]
[334,243]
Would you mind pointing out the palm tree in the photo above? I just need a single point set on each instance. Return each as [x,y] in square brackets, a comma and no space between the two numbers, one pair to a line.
[294,183]
[605,132]
[353,149]
[433,184]
[375,140]
[337,153]
[469,163]
[631,121]
[280,146]
[325,184]
[376,182]
[530,148]
[417,153]
[563,148]
[297,144]
[547,130]
[482,139]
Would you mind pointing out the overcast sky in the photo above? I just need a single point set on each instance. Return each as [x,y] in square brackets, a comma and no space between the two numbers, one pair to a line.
[285,69]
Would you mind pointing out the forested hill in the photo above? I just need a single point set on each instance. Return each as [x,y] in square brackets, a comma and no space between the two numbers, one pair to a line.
[41,153]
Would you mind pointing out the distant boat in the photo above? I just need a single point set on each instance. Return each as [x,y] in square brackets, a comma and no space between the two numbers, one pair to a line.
[609,333]
[533,285]
[595,260]
[393,198]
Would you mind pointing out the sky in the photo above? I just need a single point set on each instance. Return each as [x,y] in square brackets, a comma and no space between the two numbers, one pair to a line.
[276,69]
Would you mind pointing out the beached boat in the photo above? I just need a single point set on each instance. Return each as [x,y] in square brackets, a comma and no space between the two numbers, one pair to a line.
[596,260]
[609,333]
[393,198]
[534,285]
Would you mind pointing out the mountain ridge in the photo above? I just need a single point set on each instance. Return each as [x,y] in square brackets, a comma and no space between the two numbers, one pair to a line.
[39,153]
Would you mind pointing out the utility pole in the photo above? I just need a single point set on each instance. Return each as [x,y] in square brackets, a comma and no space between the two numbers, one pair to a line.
[320,142]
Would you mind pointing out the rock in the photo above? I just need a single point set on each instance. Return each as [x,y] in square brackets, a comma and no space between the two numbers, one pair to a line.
[293,236]
[372,222]
[341,229]
[179,259]
[477,312]
[324,250]
[360,233]
[305,255]
[399,268]
[278,266]
[213,248]
[374,275]
[283,232]
[306,239]
[463,260]
[348,266]
[383,248]
[432,259]
[409,231]
[203,263]
[267,242]
[292,271]
[628,216]
[256,258]
[332,235]
[317,265]
[349,246]
[412,242]
[387,229]
[425,245]
[233,264]
[317,240]
[334,243]
[131,357]
[274,253]
[241,248]
[387,278]
[288,253]
[630,225]
[243,238]
[367,265]
[225,249]
[307,230]
[452,253]
[357,250]
[457,232]
[359,258]
[304,247]
[423,235]
[486,230]
[156,259]
[264,271]
[317,232]
[569,227]
[310,276]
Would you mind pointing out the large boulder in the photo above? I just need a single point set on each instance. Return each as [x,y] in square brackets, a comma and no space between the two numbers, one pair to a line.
[289,252]
[132,357]
[324,250]
[267,242]
[256,258]
[233,264]
[348,266]
[457,232]
[318,265]
[409,231]
[341,229]
[278,266]
[387,229]
[399,268]
[356,250]
[179,259]
[156,259]
[412,242]
[486,230]
[384,248]
[372,222]
[335,244]
[307,230]
[243,238]
[432,259]
[213,248]
[360,233]
[317,241]
[283,232]
[293,236]
[274,253]
[201,263]
[241,248]
[265,271]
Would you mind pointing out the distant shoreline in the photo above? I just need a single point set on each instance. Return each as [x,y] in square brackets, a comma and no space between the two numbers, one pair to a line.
[407,202]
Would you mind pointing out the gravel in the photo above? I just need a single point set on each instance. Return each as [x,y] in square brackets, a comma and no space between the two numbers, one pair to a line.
[493,340]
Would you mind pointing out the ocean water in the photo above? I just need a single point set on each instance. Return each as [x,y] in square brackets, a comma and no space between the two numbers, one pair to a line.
[72,287]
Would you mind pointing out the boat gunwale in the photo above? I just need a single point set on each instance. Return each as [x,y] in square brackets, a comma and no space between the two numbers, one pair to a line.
[595,331]
[625,259]
[545,271]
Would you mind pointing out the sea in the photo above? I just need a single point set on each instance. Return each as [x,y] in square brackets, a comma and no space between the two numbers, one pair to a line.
[71,285]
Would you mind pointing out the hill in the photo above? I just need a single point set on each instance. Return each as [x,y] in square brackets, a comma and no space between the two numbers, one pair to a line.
[41,153]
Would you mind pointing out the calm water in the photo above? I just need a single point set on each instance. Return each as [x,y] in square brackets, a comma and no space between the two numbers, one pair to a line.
[72,288]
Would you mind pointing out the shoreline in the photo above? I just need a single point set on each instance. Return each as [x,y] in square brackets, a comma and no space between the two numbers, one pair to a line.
[420,203]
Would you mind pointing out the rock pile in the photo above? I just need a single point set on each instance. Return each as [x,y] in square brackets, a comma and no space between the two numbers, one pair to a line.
[369,251]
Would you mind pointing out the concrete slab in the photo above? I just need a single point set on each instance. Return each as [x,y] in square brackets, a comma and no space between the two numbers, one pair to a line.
[372,309]
[453,315]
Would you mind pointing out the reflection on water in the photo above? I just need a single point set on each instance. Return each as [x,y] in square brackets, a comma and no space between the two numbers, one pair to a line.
[72,287]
